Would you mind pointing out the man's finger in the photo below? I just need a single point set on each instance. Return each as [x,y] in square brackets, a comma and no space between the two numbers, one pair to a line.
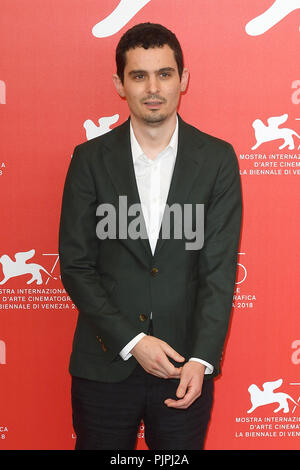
[185,402]
[158,373]
[181,389]
[172,353]
[168,369]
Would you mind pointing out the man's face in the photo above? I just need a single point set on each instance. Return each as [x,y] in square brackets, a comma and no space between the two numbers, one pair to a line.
[151,85]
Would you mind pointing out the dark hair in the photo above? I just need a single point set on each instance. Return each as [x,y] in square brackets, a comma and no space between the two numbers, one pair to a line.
[147,35]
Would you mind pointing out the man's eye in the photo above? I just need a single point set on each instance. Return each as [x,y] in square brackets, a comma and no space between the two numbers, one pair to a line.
[165,74]
[139,77]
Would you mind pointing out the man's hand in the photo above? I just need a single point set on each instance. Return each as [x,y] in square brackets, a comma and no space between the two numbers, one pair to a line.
[152,354]
[190,385]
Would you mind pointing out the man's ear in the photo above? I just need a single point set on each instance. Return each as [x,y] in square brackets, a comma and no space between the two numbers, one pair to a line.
[119,85]
[184,79]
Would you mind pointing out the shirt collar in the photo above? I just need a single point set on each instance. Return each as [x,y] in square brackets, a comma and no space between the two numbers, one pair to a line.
[137,150]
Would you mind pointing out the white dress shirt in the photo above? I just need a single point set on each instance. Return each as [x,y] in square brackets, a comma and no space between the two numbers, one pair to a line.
[153,179]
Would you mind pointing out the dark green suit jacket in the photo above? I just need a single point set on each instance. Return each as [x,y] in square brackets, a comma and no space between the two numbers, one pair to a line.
[112,282]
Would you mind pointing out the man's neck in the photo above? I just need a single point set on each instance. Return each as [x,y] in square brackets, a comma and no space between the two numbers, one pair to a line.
[153,139]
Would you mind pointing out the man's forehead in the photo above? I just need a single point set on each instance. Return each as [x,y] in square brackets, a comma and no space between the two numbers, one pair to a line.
[139,57]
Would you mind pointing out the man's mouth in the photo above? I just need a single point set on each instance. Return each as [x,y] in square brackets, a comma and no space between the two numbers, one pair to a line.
[153,104]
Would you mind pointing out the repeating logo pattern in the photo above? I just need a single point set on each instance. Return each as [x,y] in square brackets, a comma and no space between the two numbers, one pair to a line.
[267,395]
[2,92]
[270,126]
[19,267]
[92,130]
[272,132]
[121,15]
[2,352]
[276,13]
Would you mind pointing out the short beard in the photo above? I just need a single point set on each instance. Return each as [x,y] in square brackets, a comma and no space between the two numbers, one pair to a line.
[154,119]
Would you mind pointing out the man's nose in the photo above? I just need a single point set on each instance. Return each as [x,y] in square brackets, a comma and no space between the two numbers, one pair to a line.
[153,84]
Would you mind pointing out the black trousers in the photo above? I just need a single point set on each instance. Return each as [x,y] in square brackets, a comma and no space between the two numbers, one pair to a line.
[106,416]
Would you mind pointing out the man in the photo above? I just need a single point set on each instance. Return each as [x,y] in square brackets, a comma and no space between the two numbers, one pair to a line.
[154,309]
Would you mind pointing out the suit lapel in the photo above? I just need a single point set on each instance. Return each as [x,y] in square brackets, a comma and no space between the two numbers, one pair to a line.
[188,162]
[119,164]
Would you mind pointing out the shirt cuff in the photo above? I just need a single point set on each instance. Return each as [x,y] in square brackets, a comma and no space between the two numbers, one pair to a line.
[209,368]
[125,352]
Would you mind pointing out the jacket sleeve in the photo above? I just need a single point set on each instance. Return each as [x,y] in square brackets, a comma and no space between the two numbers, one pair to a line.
[78,245]
[218,263]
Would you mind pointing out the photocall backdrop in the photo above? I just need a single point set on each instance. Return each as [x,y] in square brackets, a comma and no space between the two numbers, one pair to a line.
[56,90]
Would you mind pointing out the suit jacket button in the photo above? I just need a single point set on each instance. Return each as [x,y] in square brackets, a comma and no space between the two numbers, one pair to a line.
[142,317]
[154,271]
